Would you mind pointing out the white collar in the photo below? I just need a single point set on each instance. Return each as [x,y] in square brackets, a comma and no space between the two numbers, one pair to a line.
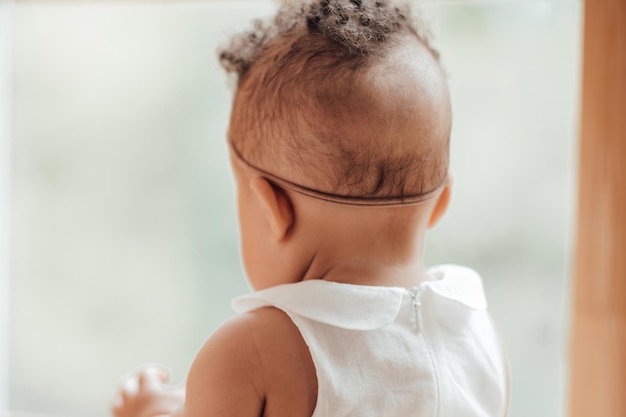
[370,307]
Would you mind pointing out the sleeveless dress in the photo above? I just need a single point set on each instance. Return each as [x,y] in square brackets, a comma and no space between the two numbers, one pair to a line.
[427,351]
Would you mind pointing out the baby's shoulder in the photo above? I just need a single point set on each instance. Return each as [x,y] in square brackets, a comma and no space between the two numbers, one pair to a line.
[262,351]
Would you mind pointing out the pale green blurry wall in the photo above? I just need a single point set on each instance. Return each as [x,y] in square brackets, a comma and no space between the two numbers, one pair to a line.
[124,228]
[6,13]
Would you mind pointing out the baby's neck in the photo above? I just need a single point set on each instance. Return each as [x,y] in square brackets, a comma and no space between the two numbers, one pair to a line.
[368,251]
[369,272]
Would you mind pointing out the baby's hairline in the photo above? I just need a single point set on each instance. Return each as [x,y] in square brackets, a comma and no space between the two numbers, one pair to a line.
[336,199]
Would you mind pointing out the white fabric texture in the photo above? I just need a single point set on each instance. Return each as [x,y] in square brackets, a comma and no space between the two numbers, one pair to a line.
[429,351]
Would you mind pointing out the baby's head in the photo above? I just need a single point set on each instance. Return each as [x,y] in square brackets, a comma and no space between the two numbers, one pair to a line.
[342,99]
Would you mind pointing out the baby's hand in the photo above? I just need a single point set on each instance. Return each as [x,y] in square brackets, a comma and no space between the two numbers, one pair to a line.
[143,395]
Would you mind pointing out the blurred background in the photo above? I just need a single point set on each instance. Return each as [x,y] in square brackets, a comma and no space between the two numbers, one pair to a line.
[124,248]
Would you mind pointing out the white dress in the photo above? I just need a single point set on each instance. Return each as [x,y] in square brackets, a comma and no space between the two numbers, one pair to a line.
[428,351]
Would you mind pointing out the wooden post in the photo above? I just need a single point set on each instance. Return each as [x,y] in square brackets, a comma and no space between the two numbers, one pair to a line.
[598,343]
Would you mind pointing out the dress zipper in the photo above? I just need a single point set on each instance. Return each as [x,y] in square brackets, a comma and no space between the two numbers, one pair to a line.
[415,293]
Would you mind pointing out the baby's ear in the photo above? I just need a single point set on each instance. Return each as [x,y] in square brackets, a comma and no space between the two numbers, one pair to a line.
[276,205]
[442,202]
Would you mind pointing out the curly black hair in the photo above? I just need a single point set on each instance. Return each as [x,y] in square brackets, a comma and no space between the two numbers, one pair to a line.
[359,26]
[301,86]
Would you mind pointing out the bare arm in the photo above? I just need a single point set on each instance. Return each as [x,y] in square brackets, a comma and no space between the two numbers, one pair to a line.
[256,364]
[224,380]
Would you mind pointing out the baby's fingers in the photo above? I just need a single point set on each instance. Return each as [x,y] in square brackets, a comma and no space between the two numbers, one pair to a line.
[129,388]
[152,377]
[117,405]
[126,392]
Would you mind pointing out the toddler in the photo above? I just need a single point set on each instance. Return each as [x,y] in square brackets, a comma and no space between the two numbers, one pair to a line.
[339,139]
